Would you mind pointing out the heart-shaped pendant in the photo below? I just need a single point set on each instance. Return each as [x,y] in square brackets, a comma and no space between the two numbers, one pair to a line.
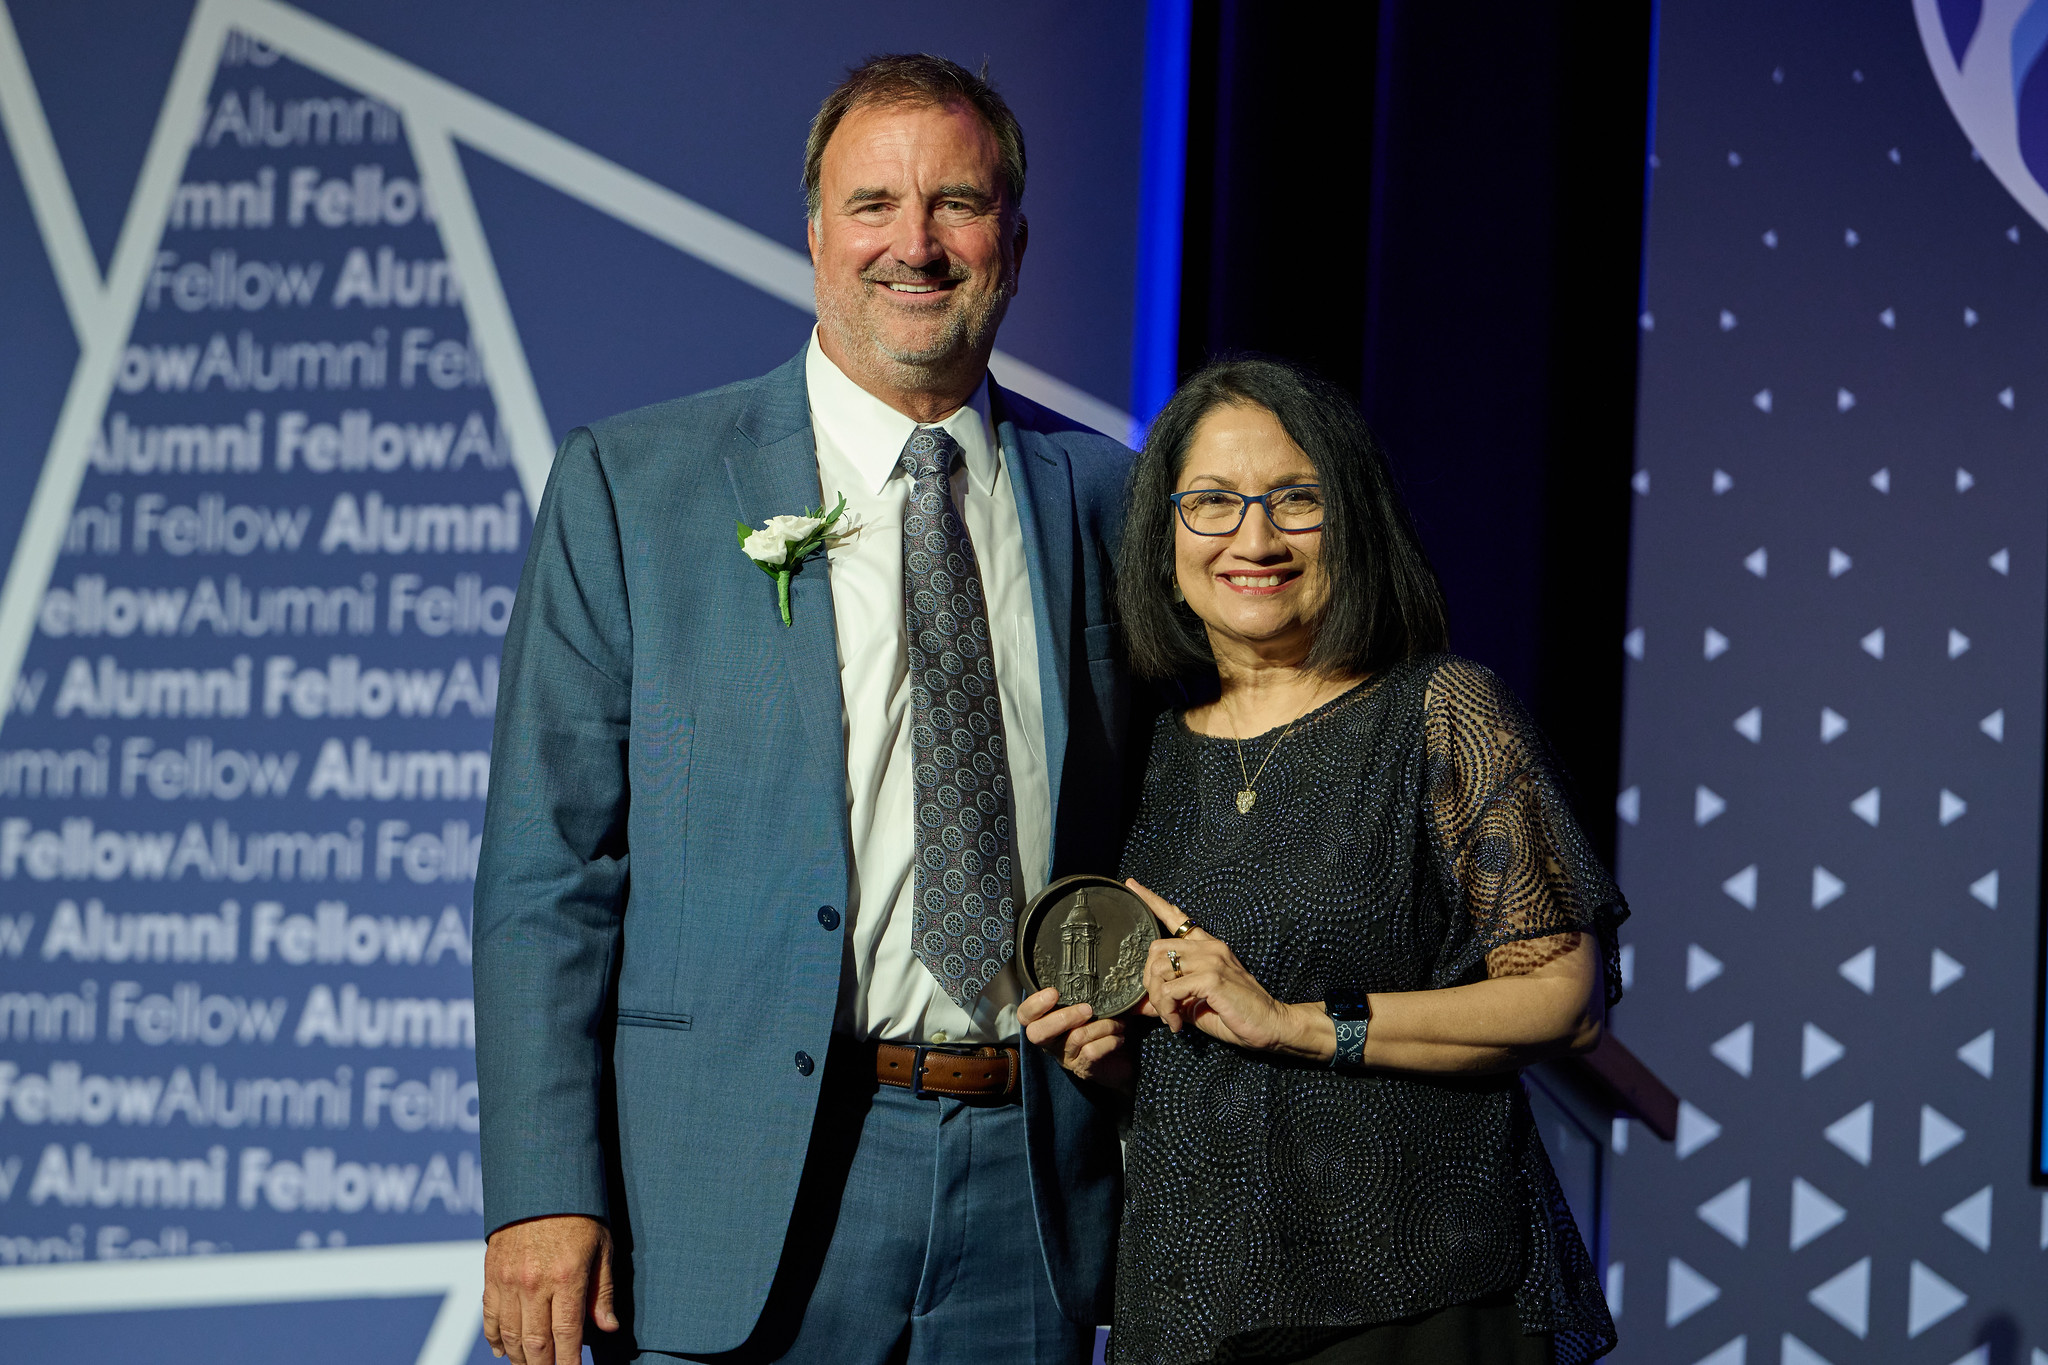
[1244,801]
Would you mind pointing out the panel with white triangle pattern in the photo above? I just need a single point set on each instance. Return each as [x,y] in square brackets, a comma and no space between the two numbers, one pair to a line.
[1830,804]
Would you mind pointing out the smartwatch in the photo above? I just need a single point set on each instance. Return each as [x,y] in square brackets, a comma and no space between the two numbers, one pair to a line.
[1351,1014]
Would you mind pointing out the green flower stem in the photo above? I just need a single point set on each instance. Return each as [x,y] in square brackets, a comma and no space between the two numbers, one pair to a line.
[782,594]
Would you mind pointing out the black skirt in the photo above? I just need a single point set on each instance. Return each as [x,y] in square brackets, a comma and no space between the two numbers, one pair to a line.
[1485,1331]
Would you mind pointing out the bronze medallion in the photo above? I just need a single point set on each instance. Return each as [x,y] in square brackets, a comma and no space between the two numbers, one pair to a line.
[1088,936]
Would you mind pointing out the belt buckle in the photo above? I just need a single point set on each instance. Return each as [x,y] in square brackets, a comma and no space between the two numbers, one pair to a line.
[919,1051]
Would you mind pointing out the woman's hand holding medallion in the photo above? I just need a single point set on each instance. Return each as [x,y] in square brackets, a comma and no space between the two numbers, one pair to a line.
[1194,978]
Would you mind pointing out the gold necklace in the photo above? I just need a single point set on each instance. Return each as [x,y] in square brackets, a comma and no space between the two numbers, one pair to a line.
[1249,794]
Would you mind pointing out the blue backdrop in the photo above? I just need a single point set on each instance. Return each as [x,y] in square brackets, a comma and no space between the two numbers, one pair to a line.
[291,327]
[1832,766]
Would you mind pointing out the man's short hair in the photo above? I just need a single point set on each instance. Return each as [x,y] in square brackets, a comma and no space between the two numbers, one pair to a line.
[910,79]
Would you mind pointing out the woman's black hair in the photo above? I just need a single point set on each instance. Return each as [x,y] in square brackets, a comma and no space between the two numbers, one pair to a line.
[1385,602]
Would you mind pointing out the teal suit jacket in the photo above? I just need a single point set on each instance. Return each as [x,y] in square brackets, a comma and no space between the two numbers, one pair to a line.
[668,814]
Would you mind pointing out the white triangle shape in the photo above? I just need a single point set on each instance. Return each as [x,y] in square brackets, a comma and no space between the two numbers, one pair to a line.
[1831,721]
[1706,804]
[1736,1049]
[1640,481]
[1734,1352]
[1985,889]
[1632,644]
[1727,321]
[1965,480]
[1994,725]
[1695,1129]
[1873,643]
[1866,806]
[1817,1052]
[1715,644]
[1953,807]
[1701,966]
[1929,1299]
[1723,481]
[1728,1212]
[1882,480]
[1958,643]
[2040,1356]
[1793,1351]
[1846,1297]
[1971,1219]
[1750,724]
[1838,563]
[1976,1054]
[1860,971]
[1827,887]
[1851,1132]
[1629,805]
[1844,400]
[2001,562]
[2005,399]
[1757,561]
[1813,1213]
[1944,971]
[1741,887]
[1686,1292]
[1762,400]
[1939,1134]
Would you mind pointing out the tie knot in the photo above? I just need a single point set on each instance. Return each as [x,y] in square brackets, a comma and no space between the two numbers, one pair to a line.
[930,453]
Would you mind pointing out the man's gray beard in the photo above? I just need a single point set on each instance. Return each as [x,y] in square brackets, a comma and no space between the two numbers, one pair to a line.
[967,332]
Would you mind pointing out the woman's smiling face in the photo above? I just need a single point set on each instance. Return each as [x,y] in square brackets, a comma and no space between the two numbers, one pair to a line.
[1260,587]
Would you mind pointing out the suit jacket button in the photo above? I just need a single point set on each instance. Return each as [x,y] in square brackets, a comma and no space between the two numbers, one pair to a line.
[804,1064]
[828,917]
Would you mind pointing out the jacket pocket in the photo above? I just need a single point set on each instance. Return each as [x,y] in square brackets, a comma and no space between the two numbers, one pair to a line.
[653,1019]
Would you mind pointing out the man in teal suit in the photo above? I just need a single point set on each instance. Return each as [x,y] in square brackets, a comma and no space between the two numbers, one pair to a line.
[746,1000]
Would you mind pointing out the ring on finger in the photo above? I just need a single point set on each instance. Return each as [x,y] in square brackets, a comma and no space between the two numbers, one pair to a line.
[1173,960]
[1184,928]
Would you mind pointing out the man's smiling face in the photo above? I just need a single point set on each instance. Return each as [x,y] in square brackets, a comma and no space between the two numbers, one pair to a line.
[915,243]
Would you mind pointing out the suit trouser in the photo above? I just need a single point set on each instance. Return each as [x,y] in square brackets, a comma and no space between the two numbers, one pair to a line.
[913,1241]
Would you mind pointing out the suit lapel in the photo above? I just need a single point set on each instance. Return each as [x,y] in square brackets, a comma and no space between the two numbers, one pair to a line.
[774,472]
[1044,486]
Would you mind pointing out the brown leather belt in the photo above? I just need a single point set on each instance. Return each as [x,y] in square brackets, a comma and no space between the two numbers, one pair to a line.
[953,1070]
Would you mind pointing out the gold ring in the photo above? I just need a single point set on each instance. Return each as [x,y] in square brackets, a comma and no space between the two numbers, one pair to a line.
[1173,958]
[1184,928]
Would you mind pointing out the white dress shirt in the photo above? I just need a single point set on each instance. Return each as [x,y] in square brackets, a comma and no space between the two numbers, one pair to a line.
[860,441]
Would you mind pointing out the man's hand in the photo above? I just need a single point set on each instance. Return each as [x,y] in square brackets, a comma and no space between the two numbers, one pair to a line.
[1093,1049]
[541,1279]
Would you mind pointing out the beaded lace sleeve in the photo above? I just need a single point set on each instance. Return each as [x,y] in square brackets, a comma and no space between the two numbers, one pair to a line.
[1513,857]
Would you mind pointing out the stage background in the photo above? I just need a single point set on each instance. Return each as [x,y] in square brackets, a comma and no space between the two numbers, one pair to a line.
[291,329]
[1831,785]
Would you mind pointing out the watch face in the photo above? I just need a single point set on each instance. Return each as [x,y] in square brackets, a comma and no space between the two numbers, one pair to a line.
[1347,1004]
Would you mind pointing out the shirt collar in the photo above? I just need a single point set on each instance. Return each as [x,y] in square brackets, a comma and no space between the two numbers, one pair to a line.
[871,434]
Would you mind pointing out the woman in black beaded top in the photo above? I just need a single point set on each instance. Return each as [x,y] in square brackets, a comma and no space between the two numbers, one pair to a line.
[1389,910]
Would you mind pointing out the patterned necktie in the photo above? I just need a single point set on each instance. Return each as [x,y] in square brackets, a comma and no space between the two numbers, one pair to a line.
[966,915]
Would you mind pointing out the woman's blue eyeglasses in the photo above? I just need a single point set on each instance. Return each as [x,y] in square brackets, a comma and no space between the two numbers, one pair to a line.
[1219,512]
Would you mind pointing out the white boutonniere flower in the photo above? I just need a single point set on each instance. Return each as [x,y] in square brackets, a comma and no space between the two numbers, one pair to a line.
[782,544]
